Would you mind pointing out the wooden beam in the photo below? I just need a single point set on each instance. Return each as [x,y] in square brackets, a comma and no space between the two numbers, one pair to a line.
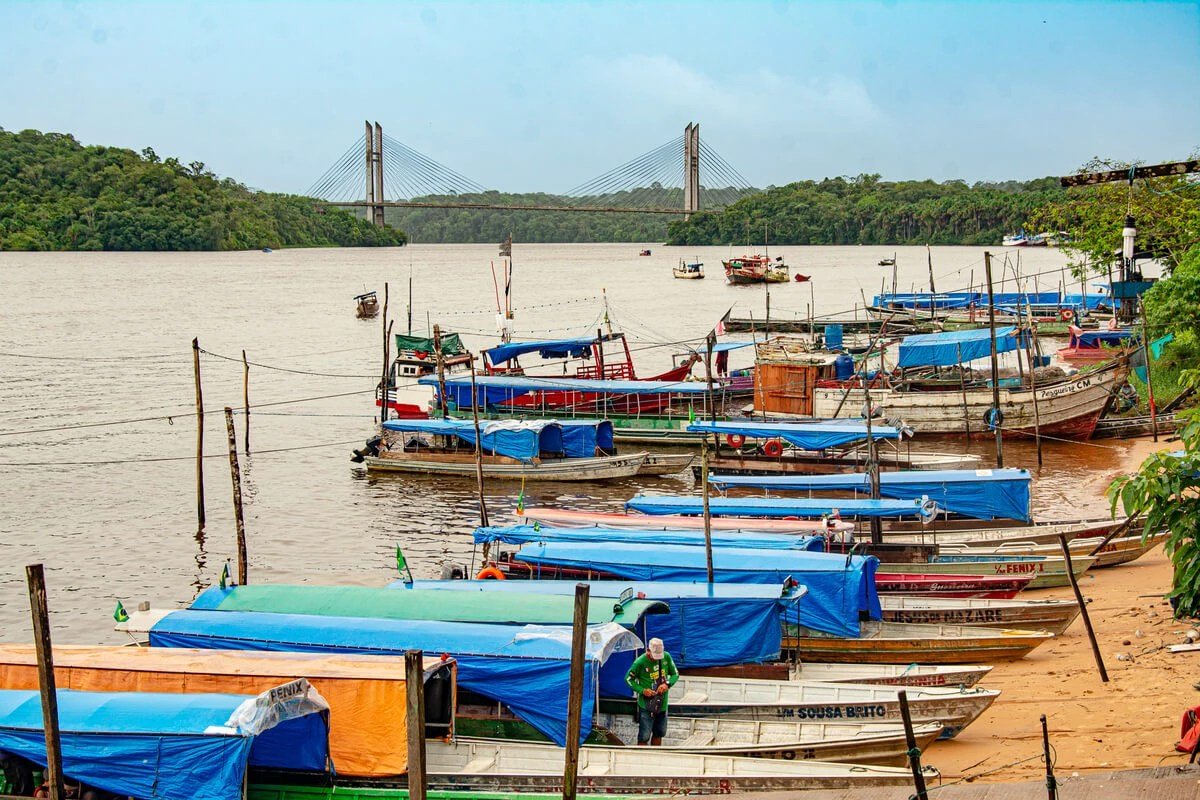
[575,691]
[414,677]
[1113,176]
[36,578]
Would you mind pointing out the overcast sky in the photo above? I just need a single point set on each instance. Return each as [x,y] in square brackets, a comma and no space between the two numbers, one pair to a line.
[542,96]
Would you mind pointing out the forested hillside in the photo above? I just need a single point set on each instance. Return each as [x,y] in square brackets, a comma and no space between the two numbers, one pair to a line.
[57,194]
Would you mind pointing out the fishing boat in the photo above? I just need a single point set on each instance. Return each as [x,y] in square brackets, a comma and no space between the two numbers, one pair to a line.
[366,306]
[644,252]
[416,357]
[995,587]
[755,269]
[1110,553]
[966,531]
[905,643]
[1093,347]
[891,674]
[1131,427]
[726,698]
[517,450]
[1053,616]
[1047,571]
[879,743]
[573,518]
[888,261]
[693,270]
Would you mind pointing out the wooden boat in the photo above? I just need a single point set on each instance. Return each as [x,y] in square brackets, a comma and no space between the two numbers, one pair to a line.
[666,463]
[879,743]
[1093,347]
[530,766]
[1053,616]
[1130,427]
[366,306]
[1121,550]
[548,469]
[993,587]
[1046,532]
[729,698]
[644,253]
[850,459]
[797,324]
[688,271]
[1047,571]
[891,674]
[903,643]
[755,269]
[570,518]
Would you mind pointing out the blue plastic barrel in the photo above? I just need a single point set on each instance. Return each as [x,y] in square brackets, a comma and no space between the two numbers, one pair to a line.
[843,366]
[833,337]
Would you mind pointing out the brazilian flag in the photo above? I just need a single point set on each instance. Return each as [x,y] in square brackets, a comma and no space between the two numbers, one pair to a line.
[225,576]
[120,615]
[402,565]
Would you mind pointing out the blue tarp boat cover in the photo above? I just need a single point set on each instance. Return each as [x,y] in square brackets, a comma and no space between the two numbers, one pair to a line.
[551,348]
[1097,338]
[839,587]
[495,389]
[524,534]
[725,347]
[528,667]
[953,347]
[779,508]
[806,436]
[709,624]
[978,493]
[581,437]
[523,440]
[171,746]
[1011,300]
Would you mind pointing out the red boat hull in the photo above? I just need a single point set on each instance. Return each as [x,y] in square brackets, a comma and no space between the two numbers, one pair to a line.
[981,586]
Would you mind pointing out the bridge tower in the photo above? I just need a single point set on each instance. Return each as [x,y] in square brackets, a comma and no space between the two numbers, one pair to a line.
[691,168]
[374,155]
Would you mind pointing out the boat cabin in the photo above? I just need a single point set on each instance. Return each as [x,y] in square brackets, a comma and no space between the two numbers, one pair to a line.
[788,368]
[366,306]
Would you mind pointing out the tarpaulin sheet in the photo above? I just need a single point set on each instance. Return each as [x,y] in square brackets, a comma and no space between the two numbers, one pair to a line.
[523,440]
[527,668]
[953,347]
[495,389]
[151,746]
[709,624]
[524,534]
[1089,339]
[451,344]
[581,437]
[839,587]
[978,493]
[550,348]
[781,508]
[806,436]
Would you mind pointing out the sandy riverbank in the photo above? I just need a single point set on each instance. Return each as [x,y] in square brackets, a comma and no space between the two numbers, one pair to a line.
[1130,722]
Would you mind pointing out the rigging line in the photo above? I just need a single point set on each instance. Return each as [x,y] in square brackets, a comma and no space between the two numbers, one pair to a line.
[109,359]
[438,180]
[640,183]
[417,177]
[624,167]
[398,176]
[447,174]
[726,174]
[285,369]
[159,460]
[335,179]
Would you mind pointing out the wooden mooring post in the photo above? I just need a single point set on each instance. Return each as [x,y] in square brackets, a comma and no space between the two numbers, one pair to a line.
[36,578]
[914,753]
[996,414]
[575,691]
[383,379]
[199,434]
[246,397]
[414,678]
[235,475]
[710,342]
[483,512]
[1083,612]
[440,360]
[1051,783]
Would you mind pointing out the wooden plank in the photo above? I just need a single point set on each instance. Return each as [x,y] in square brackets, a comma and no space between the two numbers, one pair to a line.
[414,676]
[36,578]
[575,691]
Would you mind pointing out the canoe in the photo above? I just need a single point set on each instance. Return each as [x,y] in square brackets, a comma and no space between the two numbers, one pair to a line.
[1129,427]
[731,698]
[997,587]
[1121,550]
[879,743]
[666,463]
[546,469]
[570,518]
[905,643]
[529,766]
[1047,571]
[732,462]
[892,674]
[1054,616]
[971,532]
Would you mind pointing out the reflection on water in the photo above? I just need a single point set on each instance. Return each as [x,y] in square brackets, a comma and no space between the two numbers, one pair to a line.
[112,333]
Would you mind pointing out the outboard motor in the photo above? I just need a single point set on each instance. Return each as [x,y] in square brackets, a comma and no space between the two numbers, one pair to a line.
[371,448]
[453,572]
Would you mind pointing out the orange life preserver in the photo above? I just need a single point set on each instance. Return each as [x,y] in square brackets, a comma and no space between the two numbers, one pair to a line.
[773,448]
[1066,314]
[735,440]
[490,572]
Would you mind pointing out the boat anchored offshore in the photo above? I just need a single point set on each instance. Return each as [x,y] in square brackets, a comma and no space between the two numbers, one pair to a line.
[755,269]
[693,270]
[366,306]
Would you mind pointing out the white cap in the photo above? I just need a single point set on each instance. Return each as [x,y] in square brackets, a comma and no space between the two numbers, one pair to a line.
[655,648]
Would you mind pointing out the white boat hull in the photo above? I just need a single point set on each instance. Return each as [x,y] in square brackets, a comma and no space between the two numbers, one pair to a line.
[892,674]
[558,469]
[1052,616]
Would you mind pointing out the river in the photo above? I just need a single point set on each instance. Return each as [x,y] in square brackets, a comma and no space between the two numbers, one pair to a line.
[88,339]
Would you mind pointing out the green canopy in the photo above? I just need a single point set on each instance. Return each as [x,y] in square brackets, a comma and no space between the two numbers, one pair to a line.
[423,604]
[451,344]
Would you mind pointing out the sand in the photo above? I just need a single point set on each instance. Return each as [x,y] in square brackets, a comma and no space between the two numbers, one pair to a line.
[1130,722]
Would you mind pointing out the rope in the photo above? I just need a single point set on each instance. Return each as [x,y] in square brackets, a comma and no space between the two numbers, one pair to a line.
[167,458]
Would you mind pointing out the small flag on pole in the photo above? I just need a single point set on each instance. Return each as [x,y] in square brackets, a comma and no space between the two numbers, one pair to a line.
[402,565]
[691,414]
[120,614]
[225,576]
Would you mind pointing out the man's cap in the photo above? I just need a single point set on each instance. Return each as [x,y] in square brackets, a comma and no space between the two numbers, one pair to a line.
[655,648]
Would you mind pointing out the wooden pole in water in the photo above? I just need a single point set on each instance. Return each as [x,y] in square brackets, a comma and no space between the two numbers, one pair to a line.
[872,465]
[383,380]
[1029,356]
[710,342]
[235,474]
[36,579]
[440,359]
[575,691]
[414,679]
[246,397]
[996,426]
[483,512]
[199,434]
[929,261]
[962,387]
[914,754]
[1087,621]
[1051,783]
[1149,380]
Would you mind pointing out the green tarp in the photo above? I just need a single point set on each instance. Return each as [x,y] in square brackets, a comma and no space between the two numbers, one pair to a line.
[451,344]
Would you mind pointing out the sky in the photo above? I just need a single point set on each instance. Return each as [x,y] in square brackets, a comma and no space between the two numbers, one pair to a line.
[543,96]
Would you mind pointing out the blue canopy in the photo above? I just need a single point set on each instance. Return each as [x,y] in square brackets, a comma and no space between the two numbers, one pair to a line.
[1098,338]
[525,534]
[169,746]
[839,587]
[1012,300]
[495,389]
[551,348]
[982,493]
[725,347]
[954,347]
[779,508]
[806,436]
[523,440]
[709,624]
[581,437]
[528,668]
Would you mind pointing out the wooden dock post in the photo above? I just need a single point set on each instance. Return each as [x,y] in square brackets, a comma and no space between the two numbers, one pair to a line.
[199,434]
[235,474]
[1149,379]
[1051,783]
[710,342]
[575,691]
[483,512]
[914,754]
[383,380]
[1030,356]
[996,421]
[440,360]
[246,397]
[1083,612]
[36,578]
[414,679]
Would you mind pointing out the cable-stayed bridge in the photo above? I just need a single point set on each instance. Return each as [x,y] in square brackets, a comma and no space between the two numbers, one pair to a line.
[379,172]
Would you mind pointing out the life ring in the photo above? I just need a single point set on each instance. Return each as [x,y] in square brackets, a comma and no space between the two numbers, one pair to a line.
[993,418]
[421,355]
[489,573]
[735,440]
[773,448]
[1066,314]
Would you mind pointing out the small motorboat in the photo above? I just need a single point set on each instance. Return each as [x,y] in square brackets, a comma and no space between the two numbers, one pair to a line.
[367,306]
[803,278]
[887,262]
[686,271]
[644,253]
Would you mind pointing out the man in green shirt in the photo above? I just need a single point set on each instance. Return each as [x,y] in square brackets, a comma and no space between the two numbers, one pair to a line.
[651,677]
